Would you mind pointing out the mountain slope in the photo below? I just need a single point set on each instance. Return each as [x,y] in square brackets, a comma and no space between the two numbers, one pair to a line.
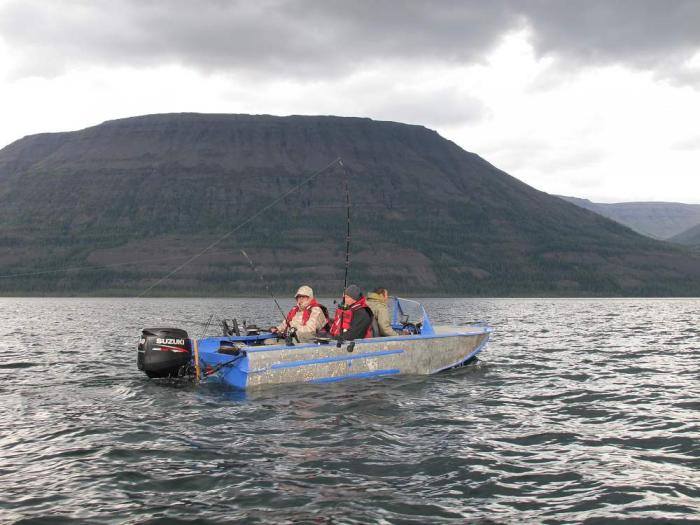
[660,220]
[427,216]
[691,237]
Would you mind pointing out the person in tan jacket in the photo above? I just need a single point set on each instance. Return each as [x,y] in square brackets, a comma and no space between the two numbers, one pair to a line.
[377,301]
[306,317]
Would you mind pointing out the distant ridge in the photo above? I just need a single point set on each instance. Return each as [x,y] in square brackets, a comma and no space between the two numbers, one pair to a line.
[660,220]
[691,237]
[427,217]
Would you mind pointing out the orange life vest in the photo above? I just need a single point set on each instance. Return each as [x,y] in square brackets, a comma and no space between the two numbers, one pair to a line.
[343,318]
[306,314]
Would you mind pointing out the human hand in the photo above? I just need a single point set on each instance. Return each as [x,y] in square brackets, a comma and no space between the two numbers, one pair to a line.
[273,329]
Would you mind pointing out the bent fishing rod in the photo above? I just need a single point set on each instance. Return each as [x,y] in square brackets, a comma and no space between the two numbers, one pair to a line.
[238,227]
[347,262]
[267,287]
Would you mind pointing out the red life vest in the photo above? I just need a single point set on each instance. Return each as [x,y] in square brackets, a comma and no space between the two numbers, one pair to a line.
[306,314]
[343,318]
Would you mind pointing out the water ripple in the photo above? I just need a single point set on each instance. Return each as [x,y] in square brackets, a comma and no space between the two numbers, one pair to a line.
[578,411]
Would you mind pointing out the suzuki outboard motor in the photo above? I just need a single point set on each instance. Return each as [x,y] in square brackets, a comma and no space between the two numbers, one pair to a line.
[164,352]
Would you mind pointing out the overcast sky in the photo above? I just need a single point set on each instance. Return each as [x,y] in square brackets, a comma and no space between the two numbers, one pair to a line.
[595,99]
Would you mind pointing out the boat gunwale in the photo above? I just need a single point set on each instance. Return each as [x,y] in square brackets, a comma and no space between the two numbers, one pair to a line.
[482,330]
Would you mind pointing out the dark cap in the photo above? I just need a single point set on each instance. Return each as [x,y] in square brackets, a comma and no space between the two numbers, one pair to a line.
[353,291]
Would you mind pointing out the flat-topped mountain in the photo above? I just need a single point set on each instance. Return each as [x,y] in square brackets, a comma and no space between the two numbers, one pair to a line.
[135,198]
[660,220]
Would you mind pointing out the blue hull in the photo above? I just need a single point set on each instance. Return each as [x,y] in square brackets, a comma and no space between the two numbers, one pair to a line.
[261,365]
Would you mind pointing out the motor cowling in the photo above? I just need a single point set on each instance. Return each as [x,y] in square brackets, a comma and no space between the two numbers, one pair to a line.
[164,352]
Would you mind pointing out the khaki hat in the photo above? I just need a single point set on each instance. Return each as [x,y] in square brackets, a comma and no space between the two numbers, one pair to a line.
[304,290]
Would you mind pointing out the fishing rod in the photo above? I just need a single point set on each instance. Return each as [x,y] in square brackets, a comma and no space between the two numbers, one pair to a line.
[206,326]
[267,287]
[347,252]
[347,235]
[213,370]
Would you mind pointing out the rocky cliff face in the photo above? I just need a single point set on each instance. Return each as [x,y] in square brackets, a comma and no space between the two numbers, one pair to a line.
[660,220]
[143,194]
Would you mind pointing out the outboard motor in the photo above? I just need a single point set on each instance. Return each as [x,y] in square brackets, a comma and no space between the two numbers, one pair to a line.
[164,352]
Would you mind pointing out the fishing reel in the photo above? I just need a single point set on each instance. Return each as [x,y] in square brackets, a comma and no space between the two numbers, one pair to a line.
[235,329]
[230,330]
[289,336]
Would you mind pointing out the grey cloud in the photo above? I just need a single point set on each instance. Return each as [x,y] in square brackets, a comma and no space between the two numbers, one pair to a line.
[647,34]
[317,39]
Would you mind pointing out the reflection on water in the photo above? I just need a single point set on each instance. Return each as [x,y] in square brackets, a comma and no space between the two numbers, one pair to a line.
[577,410]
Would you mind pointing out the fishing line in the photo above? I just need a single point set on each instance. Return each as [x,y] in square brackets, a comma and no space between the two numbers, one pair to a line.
[174,257]
[255,271]
[249,219]
[222,250]
[101,266]
[183,321]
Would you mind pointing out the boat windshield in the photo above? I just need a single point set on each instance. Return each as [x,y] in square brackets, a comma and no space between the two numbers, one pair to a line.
[406,312]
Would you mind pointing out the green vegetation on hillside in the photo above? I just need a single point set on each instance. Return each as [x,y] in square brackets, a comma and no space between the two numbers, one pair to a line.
[427,218]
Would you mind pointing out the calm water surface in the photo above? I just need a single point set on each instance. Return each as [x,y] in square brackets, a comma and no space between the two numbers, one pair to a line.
[578,411]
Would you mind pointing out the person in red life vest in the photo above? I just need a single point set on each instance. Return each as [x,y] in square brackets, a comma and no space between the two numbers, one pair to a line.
[353,318]
[306,317]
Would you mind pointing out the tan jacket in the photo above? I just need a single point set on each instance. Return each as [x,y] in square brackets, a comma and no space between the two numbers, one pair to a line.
[381,314]
[316,321]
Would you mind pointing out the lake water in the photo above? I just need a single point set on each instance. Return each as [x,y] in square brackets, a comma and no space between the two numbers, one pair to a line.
[578,411]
